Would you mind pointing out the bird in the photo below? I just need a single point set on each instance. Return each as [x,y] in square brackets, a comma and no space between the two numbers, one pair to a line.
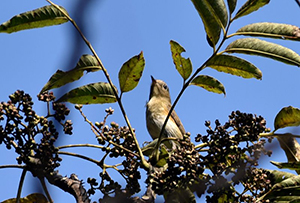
[157,109]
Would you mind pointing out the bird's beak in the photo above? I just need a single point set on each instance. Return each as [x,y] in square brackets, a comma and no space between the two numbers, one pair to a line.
[153,79]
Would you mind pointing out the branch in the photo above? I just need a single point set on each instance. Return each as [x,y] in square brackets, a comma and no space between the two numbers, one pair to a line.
[71,185]
[143,161]
[21,185]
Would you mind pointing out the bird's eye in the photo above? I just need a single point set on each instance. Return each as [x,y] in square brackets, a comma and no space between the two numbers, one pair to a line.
[165,87]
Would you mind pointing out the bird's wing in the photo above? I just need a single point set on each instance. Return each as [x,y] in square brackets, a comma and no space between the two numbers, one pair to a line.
[177,121]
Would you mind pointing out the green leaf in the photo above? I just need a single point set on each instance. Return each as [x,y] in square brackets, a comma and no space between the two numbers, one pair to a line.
[271,30]
[234,66]
[180,195]
[131,72]
[35,197]
[287,116]
[149,148]
[214,16]
[279,176]
[250,6]
[95,93]
[41,17]
[86,63]
[209,83]
[287,165]
[231,5]
[163,156]
[183,65]
[290,146]
[263,48]
[287,190]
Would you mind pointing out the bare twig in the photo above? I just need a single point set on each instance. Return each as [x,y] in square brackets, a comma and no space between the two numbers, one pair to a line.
[21,185]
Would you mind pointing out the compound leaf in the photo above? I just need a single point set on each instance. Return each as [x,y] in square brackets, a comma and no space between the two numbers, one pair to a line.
[263,48]
[183,65]
[86,63]
[235,66]
[95,93]
[271,30]
[41,17]
[209,83]
[250,6]
[287,116]
[131,73]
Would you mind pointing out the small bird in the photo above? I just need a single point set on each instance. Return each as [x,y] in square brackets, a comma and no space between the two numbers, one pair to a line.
[157,109]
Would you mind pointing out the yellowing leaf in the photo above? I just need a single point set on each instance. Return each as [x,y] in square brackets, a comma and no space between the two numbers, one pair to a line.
[41,17]
[131,73]
[86,63]
[183,65]
[209,83]
[95,93]
[235,66]
[287,116]
[35,197]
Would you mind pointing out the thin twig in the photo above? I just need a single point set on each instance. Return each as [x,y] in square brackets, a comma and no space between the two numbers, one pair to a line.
[21,185]
[12,166]
[42,180]
[298,2]
[80,156]
[80,145]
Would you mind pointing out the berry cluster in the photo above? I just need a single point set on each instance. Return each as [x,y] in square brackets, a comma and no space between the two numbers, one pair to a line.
[182,171]
[117,142]
[20,129]
[232,150]
[257,182]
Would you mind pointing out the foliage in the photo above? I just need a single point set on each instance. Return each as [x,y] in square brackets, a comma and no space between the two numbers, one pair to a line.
[219,161]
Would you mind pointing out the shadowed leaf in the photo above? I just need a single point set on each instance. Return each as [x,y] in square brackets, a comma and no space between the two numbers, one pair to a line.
[214,16]
[35,197]
[180,195]
[131,73]
[287,116]
[41,17]
[209,83]
[95,93]
[183,65]
[290,146]
[263,48]
[250,6]
[272,30]
[86,63]
[287,190]
[235,66]
[231,5]
[280,175]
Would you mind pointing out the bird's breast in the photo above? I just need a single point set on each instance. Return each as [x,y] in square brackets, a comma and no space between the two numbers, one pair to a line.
[156,114]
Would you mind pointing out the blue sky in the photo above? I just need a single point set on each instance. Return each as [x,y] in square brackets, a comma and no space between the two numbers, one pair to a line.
[119,30]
